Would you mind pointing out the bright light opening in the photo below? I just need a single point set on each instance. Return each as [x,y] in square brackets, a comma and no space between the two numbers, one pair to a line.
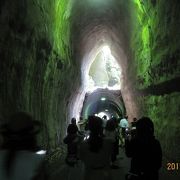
[106,50]
[103,99]
[104,72]
[41,152]
[100,70]
[101,114]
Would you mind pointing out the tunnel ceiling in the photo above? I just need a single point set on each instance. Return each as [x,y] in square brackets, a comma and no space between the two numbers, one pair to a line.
[95,23]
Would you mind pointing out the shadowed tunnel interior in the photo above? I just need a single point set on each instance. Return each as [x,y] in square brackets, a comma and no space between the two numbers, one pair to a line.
[103,102]
[50,52]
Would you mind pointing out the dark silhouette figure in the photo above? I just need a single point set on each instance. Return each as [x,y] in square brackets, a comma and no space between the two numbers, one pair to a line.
[72,140]
[111,132]
[123,126]
[73,121]
[104,119]
[18,159]
[133,128]
[95,152]
[133,123]
[145,152]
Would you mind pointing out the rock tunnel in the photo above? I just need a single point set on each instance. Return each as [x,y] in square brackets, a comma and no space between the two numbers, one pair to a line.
[49,55]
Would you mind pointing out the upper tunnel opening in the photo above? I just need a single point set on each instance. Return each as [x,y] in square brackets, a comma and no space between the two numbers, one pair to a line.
[95,26]
[104,72]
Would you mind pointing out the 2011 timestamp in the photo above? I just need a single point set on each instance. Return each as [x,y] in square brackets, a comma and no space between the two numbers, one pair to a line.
[173,166]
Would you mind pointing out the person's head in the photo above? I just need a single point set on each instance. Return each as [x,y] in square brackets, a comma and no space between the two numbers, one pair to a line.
[72,129]
[126,117]
[104,117]
[19,132]
[73,121]
[95,124]
[145,127]
[110,125]
[134,119]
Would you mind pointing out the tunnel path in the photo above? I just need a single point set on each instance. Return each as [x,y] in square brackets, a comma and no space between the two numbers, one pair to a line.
[62,172]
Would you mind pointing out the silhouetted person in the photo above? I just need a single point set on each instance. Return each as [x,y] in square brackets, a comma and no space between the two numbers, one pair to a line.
[72,140]
[133,123]
[104,119]
[111,133]
[145,151]
[123,126]
[95,152]
[133,127]
[73,121]
[18,160]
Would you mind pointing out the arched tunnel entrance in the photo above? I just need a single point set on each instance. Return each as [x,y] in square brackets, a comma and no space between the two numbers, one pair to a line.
[102,52]
[59,59]
[102,77]
[103,102]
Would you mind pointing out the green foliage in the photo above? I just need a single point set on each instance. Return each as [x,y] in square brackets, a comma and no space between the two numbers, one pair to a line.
[155,42]
[155,52]
[164,111]
[140,41]
[61,27]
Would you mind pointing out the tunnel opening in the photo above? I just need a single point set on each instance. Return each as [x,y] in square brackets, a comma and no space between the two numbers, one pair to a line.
[103,102]
[103,86]
[104,72]
[104,40]
[101,74]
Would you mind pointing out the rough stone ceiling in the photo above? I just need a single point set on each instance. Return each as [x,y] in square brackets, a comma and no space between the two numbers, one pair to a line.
[96,23]
[99,22]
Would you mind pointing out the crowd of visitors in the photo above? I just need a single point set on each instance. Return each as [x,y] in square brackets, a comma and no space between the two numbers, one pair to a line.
[94,142]
[99,147]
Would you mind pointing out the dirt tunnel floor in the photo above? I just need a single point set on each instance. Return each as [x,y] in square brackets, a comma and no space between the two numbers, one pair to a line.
[60,171]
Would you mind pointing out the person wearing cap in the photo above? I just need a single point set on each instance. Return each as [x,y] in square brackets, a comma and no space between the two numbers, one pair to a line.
[124,124]
[18,160]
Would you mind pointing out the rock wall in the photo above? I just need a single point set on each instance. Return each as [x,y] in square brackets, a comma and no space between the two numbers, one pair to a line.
[155,43]
[42,45]
[36,68]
